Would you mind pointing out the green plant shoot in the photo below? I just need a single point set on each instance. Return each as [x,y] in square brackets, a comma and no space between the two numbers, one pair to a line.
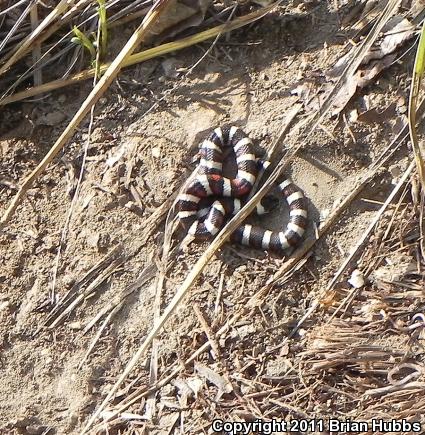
[103,27]
[81,38]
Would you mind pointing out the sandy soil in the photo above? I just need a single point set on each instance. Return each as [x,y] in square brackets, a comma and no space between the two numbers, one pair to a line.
[248,79]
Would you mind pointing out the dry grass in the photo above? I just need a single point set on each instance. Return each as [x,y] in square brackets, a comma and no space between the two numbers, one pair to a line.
[372,352]
[363,351]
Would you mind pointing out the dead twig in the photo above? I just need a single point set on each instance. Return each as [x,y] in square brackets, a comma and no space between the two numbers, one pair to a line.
[143,55]
[372,225]
[90,101]
[26,45]
[36,51]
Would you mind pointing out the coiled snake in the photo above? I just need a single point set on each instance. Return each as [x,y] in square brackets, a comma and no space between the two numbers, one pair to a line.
[228,195]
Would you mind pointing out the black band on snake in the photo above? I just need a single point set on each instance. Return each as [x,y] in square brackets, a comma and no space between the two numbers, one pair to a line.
[228,195]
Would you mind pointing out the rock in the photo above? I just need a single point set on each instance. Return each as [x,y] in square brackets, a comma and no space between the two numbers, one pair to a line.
[170,67]
[156,152]
[52,118]
[35,429]
[76,325]
[92,240]
[277,367]
[357,279]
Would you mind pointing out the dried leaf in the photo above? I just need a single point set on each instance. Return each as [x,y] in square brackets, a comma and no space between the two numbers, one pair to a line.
[361,79]
[398,267]
[215,378]
[381,56]
[397,31]
[180,16]
[374,116]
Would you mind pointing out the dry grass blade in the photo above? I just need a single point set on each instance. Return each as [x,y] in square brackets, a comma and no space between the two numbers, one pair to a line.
[36,51]
[11,7]
[115,264]
[92,275]
[143,55]
[16,25]
[153,369]
[418,72]
[27,43]
[372,225]
[99,332]
[93,97]
[357,59]
[410,387]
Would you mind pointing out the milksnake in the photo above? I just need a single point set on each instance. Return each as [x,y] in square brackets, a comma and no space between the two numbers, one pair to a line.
[210,198]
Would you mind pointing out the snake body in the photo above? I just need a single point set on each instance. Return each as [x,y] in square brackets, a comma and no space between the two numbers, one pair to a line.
[226,196]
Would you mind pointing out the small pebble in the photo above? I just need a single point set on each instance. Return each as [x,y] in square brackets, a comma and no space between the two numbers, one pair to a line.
[156,152]
[4,304]
[75,325]
[324,214]
[35,429]
[357,279]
